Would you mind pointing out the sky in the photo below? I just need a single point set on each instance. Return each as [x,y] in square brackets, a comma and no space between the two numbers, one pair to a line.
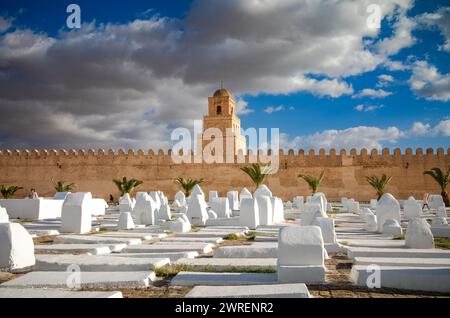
[320,71]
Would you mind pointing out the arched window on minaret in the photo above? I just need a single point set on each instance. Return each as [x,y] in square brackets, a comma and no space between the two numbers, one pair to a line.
[219,110]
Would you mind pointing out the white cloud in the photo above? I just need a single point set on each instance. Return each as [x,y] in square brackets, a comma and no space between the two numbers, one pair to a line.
[242,107]
[427,82]
[372,93]
[402,37]
[273,109]
[5,24]
[367,108]
[441,20]
[385,80]
[355,137]
[421,129]
[130,84]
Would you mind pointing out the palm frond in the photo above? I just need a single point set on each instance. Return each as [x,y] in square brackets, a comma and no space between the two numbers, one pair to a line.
[127,186]
[188,184]
[312,181]
[257,173]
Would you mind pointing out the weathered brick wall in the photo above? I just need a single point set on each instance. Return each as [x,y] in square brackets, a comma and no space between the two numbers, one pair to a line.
[344,172]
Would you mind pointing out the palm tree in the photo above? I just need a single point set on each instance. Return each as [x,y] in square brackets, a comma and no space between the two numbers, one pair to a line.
[60,186]
[8,192]
[379,183]
[442,179]
[127,186]
[312,181]
[188,184]
[256,173]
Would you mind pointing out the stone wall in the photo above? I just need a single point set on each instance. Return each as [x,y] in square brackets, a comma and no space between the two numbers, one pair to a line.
[344,172]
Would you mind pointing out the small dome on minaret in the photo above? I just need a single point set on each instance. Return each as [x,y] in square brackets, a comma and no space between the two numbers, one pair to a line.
[222,93]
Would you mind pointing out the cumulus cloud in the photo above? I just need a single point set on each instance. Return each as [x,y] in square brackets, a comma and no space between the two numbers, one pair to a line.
[421,129]
[273,109]
[427,82]
[5,24]
[367,108]
[372,93]
[355,137]
[441,20]
[130,84]
[385,80]
[242,107]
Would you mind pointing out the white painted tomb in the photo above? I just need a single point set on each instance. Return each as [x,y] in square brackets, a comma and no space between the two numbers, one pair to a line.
[126,204]
[387,208]
[418,234]
[32,209]
[301,255]
[412,209]
[265,209]
[144,210]
[392,227]
[221,206]
[4,217]
[298,202]
[181,198]
[245,193]
[233,198]
[180,225]
[125,221]
[328,234]
[164,212]
[371,223]
[434,201]
[196,211]
[211,196]
[76,216]
[277,210]
[212,214]
[249,215]
[16,248]
[263,190]
[441,212]
[373,203]
[156,198]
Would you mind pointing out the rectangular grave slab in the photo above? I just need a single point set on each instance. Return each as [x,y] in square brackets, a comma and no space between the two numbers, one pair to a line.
[55,293]
[93,249]
[212,240]
[84,239]
[97,263]
[224,264]
[251,291]
[404,261]
[247,251]
[161,248]
[222,279]
[353,252]
[172,256]
[386,243]
[441,231]
[91,280]
[407,278]
[126,234]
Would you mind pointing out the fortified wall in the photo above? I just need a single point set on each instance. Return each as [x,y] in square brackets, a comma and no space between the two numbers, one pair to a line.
[345,172]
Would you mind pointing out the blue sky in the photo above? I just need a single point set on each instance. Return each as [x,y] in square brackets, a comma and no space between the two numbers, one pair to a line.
[314,103]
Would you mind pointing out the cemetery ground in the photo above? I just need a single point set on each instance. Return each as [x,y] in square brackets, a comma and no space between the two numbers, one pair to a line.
[167,260]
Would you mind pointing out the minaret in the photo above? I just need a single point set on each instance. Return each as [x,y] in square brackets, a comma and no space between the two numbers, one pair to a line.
[222,115]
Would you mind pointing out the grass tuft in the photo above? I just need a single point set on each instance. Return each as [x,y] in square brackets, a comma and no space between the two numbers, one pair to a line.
[442,242]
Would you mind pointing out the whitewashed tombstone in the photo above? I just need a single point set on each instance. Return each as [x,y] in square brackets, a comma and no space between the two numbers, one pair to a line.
[441,212]
[126,204]
[265,210]
[373,203]
[343,200]
[301,255]
[325,201]
[352,206]
[437,221]
[164,212]
[387,208]
[263,190]
[196,211]
[4,217]
[222,207]
[212,195]
[176,205]
[16,248]
[125,221]
[329,207]
[180,225]
[212,214]
[156,198]
[392,227]
[233,200]
[371,223]
[278,210]
[197,190]
[412,209]
[245,193]
[249,215]
[327,227]
[145,210]
[435,201]
[288,205]
[308,199]
[298,202]
[321,202]
[180,197]
[418,234]
[75,214]
[310,212]
[60,195]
